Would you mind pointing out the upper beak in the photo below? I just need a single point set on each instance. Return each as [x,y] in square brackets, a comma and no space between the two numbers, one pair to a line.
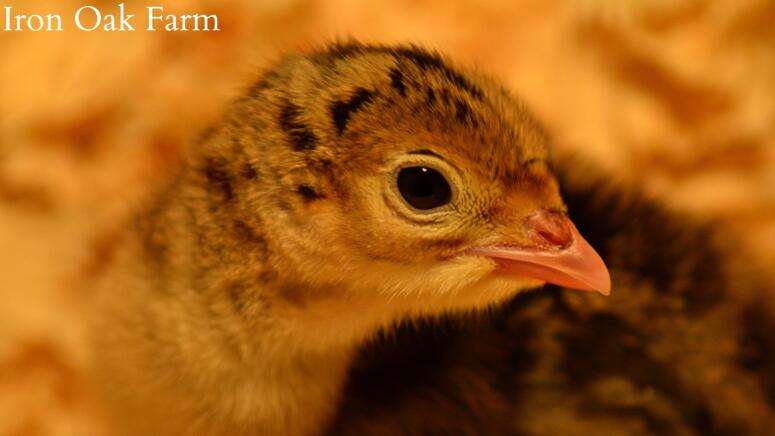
[556,254]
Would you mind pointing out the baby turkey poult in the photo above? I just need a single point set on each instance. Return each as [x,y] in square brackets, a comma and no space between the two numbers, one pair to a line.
[351,188]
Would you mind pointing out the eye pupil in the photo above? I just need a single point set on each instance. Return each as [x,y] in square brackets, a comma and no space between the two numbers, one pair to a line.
[423,188]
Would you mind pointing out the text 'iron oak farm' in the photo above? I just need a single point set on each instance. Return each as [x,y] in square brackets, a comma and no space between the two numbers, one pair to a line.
[91,19]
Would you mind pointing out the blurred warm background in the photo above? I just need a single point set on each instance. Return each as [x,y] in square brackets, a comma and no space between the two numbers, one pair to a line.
[675,95]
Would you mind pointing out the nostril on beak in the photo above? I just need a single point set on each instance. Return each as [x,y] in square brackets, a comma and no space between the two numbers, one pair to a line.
[550,229]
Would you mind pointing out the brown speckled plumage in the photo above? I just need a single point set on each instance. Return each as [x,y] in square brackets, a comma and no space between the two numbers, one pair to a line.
[273,288]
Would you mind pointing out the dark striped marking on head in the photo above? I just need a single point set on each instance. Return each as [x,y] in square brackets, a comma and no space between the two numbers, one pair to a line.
[249,172]
[218,177]
[444,96]
[463,112]
[343,50]
[423,59]
[432,61]
[341,111]
[302,138]
[309,193]
[431,96]
[397,81]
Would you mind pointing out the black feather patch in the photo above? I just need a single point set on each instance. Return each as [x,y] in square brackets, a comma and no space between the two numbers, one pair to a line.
[344,50]
[463,111]
[218,177]
[342,111]
[426,61]
[431,96]
[248,172]
[423,59]
[309,193]
[397,81]
[444,96]
[302,138]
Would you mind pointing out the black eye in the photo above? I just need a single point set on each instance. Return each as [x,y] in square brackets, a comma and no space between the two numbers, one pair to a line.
[423,188]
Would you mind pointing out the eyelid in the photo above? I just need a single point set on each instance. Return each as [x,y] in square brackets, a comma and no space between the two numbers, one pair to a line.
[425,152]
[433,154]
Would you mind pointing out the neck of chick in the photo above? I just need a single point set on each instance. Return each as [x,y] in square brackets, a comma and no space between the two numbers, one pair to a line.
[239,336]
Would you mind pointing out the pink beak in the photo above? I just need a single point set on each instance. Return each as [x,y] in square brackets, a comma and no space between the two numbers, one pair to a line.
[557,254]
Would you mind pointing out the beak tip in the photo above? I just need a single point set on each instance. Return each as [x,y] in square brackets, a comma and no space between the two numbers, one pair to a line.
[577,266]
[605,286]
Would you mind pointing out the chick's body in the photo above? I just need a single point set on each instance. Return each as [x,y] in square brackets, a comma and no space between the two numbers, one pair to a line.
[242,299]
[238,298]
